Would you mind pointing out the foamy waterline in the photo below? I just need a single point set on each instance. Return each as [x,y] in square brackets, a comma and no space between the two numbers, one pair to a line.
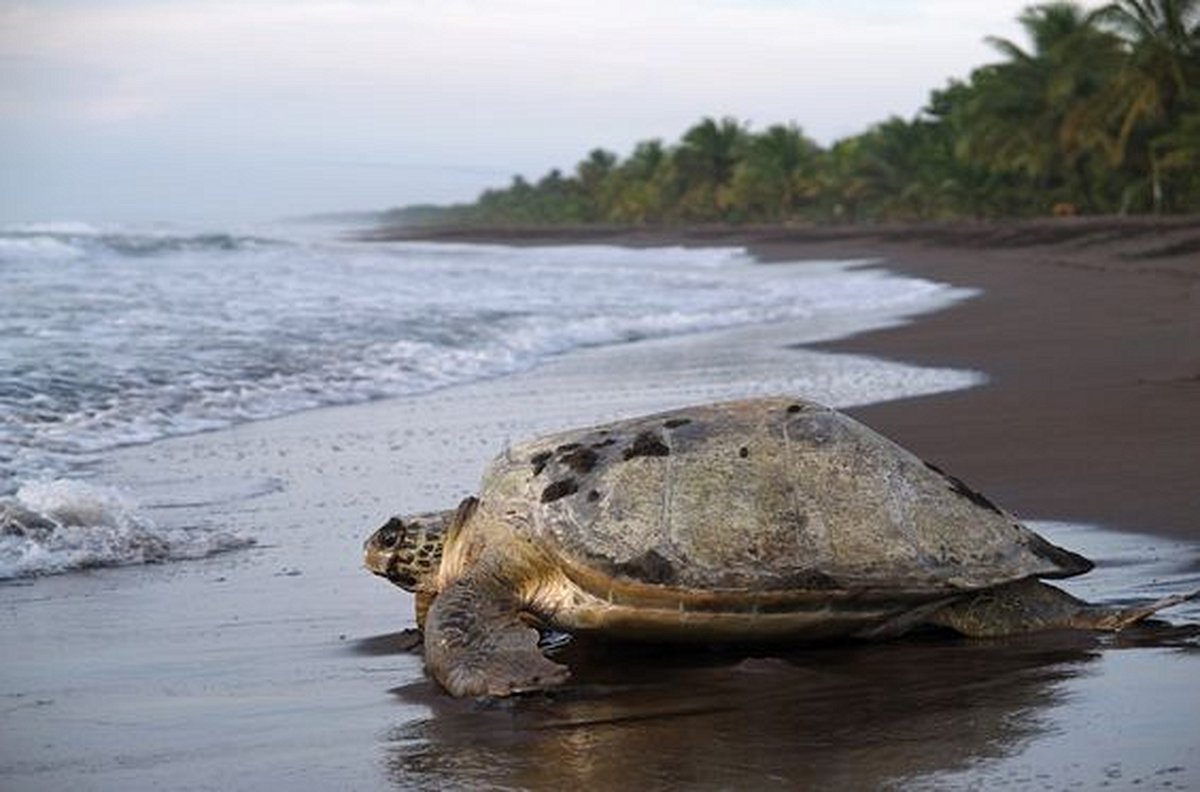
[127,340]
[63,525]
[118,338]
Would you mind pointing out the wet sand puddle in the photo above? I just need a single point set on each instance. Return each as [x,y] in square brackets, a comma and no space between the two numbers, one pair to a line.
[1049,711]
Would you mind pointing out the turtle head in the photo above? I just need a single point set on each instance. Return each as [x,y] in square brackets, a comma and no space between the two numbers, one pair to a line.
[408,550]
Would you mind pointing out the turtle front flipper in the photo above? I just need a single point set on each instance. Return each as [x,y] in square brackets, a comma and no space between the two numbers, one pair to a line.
[1031,605]
[476,643]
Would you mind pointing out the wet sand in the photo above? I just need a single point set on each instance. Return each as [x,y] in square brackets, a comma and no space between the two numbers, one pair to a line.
[283,665]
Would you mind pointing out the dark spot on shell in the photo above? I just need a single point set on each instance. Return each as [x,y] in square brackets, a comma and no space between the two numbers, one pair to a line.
[646,444]
[649,567]
[565,447]
[581,460]
[604,443]
[794,408]
[593,495]
[559,489]
[675,423]
[539,461]
[743,452]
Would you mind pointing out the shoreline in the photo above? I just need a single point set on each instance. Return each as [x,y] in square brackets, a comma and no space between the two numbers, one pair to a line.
[1088,330]
[285,660]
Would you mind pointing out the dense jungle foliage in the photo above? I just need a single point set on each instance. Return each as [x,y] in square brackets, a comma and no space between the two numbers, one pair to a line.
[1099,113]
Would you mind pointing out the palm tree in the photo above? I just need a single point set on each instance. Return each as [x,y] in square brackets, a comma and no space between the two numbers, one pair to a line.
[641,194]
[775,173]
[970,187]
[842,186]
[706,159]
[1158,83]
[1031,114]
[901,167]
[594,176]
[560,199]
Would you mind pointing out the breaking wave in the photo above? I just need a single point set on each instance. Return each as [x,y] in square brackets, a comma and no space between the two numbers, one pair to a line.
[67,241]
[56,526]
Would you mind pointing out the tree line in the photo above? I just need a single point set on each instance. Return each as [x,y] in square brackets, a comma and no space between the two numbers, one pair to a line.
[1098,113]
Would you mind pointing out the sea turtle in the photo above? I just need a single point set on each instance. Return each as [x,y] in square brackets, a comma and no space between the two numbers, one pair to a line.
[773,519]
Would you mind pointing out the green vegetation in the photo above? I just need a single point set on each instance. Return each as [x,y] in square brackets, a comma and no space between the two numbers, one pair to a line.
[1100,114]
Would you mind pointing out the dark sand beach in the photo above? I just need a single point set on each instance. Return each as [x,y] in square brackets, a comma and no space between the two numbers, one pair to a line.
[282,667]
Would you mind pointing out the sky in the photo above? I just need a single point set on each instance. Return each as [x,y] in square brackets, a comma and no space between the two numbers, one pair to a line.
[126,111]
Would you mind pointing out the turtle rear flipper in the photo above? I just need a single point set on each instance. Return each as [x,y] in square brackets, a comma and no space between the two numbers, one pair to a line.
[1030,605]
[477,644]
[1100,617]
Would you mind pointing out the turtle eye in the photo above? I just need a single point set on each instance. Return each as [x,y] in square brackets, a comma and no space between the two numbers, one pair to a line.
[391,533]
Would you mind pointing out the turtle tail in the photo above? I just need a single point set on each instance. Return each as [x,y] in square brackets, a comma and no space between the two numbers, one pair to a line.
[1031,605]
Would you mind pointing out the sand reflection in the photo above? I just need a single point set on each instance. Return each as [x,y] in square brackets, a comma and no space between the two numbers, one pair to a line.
[832,717]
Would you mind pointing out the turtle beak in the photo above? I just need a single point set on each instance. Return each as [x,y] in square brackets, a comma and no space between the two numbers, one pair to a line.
[373,560]
[382,562]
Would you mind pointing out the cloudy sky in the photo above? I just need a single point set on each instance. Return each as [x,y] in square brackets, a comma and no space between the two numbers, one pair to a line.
[213,111]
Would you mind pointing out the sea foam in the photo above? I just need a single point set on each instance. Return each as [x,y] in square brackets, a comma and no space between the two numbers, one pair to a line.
[59,525]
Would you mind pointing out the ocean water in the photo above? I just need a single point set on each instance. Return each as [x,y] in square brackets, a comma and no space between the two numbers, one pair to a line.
[117,336]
